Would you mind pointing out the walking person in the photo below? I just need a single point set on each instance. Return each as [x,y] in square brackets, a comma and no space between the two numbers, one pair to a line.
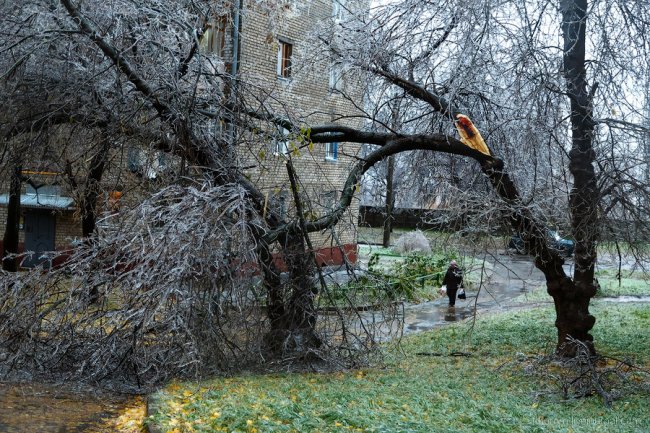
[453,280]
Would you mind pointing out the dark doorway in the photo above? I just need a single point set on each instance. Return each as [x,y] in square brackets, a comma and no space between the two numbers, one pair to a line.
[39,235]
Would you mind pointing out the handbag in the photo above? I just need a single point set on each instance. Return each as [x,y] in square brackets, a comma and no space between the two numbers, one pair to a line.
[443,290]
[461,294]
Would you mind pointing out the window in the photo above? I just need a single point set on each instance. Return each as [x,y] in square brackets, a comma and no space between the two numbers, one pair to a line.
[332,151]
[282,144]
[214,36]
[134,160]
[149,164]
[285,50]
[328,202]
[279,204]
[336,77]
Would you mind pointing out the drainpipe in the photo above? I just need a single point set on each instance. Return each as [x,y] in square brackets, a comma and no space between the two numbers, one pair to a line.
[234,70]
[235,40]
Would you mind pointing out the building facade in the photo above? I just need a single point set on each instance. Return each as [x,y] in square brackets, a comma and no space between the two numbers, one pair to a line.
[273,66]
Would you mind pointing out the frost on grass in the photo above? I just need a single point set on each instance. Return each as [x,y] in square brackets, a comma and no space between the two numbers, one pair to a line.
[412,242]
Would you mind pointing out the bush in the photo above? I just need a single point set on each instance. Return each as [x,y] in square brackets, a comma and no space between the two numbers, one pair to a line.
[416,278]
[412,242]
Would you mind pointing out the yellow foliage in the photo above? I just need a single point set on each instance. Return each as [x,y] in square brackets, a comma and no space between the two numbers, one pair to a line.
[130,420]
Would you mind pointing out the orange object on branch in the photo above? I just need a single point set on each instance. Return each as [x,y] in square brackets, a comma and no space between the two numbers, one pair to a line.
[469,135]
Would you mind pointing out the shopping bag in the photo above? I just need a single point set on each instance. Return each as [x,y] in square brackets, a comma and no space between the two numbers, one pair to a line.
[461,294]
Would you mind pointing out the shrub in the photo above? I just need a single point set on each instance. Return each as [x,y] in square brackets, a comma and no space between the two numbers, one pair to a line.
[412,242]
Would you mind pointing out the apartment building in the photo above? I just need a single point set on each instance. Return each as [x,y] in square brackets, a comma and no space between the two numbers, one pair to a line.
[274,65]
[311,94]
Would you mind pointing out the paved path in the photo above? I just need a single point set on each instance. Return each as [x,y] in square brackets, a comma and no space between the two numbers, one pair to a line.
[504,278]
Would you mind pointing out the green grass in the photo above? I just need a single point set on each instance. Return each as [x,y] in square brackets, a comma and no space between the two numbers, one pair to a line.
[610,286]
[639,285]
[625,248]
[415,393]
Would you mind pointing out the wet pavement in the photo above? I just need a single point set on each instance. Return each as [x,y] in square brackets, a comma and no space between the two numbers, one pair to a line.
[503,278]
[51,409]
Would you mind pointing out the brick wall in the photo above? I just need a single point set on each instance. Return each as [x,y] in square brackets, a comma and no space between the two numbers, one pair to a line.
[306,96]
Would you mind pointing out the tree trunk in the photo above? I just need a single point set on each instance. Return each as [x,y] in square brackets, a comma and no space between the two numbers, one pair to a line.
[301,311]
[12,229]
[572,318]
[93,187]
[291,310]
[390,202]
[293,320]
[572,302]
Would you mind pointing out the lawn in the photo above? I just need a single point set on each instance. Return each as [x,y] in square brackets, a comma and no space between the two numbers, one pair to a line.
[419,391]
[634,284]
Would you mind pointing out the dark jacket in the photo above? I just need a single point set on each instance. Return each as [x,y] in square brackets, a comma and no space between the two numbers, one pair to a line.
[453,278]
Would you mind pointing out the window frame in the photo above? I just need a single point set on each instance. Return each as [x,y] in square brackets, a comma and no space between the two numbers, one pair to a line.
[328,201]
[332,151]
[281,147]
[338,10]
[213,39]
[284,59]
[336,82]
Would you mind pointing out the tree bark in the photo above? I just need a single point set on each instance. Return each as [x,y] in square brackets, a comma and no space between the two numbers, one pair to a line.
[572,301]
[12,229]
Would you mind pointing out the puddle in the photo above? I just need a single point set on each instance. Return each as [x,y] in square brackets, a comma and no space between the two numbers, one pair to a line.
[437,315]
[47,408]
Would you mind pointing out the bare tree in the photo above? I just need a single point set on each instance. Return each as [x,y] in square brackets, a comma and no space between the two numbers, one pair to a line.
[526,75]
[137,72]
[123,72]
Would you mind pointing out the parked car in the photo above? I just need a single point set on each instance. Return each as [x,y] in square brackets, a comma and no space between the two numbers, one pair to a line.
[555,241]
